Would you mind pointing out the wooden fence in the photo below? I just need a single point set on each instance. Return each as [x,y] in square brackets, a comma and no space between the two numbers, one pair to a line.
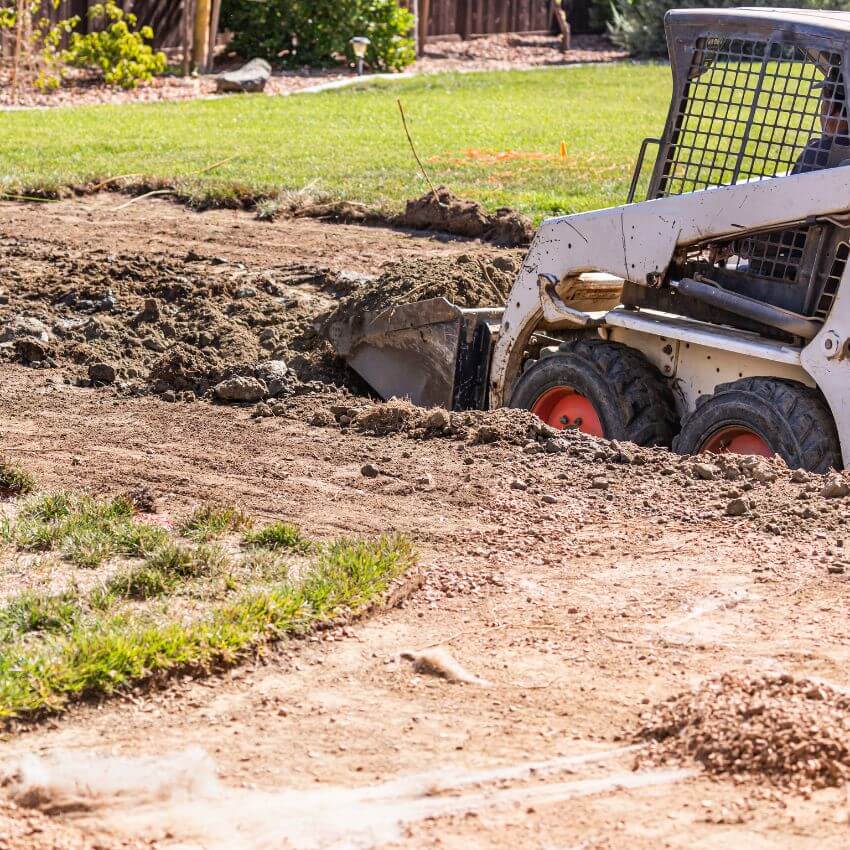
[483,17]
[463,18]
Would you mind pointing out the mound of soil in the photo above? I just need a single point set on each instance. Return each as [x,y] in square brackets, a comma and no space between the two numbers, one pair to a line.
[794,733]
[398,416]
[467,281]
[160,324]
[451,214]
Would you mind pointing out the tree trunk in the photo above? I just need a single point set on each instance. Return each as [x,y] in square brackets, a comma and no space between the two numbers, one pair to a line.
[201,43]
[215,17]
[186,27]
[424,14]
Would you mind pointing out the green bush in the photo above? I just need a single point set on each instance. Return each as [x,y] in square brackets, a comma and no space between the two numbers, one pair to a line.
[638,25]
[119,50]
[317,32]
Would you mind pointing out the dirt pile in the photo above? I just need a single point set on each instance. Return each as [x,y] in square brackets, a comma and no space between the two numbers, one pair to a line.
[450,214]
[467,281]
[398,416]
[793,732]
[167,325]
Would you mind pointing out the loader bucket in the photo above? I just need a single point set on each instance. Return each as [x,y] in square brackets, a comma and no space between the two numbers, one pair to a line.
[431,352]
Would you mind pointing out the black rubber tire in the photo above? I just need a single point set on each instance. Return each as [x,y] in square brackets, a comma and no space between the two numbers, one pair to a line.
[630,396]
[793,419]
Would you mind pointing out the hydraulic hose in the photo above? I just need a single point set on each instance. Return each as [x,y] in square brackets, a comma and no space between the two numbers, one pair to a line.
[749,308]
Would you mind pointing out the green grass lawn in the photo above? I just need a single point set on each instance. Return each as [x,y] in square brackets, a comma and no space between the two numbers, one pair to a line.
[492,136]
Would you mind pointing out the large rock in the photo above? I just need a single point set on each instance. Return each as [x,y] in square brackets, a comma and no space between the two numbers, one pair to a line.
[241,389]
[251,77]
[24,326]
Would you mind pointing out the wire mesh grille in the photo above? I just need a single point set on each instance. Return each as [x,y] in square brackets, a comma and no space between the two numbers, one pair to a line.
[754,109]
[830,288]
[775,255]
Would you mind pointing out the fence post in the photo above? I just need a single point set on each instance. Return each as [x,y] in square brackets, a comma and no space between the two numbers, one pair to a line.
[200,42]
[187,37]
[462,22]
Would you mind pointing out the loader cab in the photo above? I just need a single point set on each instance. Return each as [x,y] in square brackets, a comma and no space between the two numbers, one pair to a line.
[757,94]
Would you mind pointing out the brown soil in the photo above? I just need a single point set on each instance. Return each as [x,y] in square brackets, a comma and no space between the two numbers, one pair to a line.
[792,732]
[441,210]
[184,323]
[578,581]
[466,281]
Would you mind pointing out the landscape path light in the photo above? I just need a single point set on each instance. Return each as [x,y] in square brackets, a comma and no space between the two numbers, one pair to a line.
[359,44]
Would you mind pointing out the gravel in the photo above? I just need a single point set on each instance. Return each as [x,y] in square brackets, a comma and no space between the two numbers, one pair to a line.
[794,733]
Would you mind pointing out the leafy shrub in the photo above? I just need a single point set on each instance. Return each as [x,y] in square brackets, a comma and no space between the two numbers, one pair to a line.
[119,50]
[316,32]
[37,38]
[638,25]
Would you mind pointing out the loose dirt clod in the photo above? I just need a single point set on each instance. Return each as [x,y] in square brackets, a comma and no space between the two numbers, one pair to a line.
[451,214]
[793,732]
[466,281]
[441,663]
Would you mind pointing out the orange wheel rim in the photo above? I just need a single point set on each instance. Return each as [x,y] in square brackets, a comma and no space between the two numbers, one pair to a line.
[737,440]
[563,407]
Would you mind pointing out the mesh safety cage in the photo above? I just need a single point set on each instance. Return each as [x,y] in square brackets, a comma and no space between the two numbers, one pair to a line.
[751,109]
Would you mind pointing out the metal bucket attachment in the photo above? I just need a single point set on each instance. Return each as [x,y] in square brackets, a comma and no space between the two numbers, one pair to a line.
[432,352]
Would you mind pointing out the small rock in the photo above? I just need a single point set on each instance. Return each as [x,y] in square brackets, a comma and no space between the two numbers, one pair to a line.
[835,488]
[706,471]
[486,434]
[600,483]
[553,446]
[276,375]
[835,569]
[532,448]
[800,476]
[438,420]
[240,390]
[518,484]
[153,343]
[32,352]
[424,480]
[369,470]
[737,507]
[549,499]
[101,373]
[262,409]
[149,312]
[245,292]
[323,419]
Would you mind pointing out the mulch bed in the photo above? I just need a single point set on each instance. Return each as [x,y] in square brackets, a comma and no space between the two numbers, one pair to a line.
[499,52]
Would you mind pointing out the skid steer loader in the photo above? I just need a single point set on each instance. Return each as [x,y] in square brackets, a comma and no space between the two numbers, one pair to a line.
[714,316]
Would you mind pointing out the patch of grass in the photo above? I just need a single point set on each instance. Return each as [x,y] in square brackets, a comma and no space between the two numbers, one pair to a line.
[212,560]
[87,545]
[212,520]
[88,530]
[48,507]
[111,651]
[277,535]
[34,535]
[172,559]
[138,582]
[40,612]
[494,137]
[138,540]
[265,565]
[14,479]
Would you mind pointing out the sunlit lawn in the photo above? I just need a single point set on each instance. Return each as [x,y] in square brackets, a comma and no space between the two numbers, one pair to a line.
[492,136]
